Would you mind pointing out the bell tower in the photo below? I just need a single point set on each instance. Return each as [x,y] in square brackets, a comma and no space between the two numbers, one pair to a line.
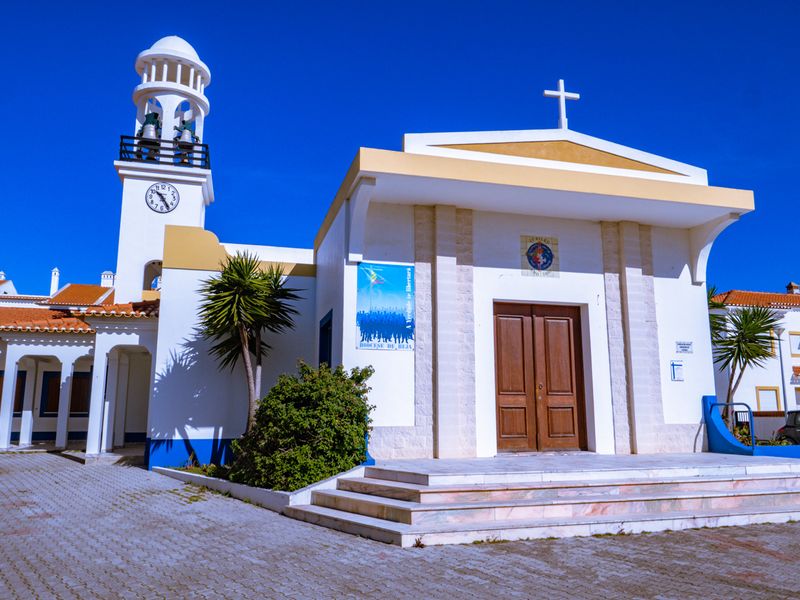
[164,166]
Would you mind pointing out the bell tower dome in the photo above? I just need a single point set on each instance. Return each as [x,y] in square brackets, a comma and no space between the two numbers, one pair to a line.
[173,86]
[164,165]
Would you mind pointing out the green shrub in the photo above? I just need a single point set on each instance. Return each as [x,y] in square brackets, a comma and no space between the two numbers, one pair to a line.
[310,426]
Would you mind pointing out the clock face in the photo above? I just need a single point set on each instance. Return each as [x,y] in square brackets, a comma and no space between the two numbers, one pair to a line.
[162,197]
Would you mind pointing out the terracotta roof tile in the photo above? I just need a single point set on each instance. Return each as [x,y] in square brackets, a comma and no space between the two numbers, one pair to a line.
[137,310]
[766,299]
[41,320]
[81,294]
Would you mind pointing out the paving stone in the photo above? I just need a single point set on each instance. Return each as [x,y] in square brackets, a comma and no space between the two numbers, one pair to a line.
[106,531]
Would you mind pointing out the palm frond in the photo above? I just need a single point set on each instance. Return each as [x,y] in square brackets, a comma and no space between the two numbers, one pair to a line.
[245,295]
[747,338]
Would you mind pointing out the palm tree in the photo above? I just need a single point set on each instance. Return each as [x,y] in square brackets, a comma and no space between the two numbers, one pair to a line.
[745,341]
[240,304]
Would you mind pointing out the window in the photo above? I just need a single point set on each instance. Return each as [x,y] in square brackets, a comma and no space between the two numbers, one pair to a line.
[19,391]
[51,382]
[326,338]
[768,398]
[794,343]
[81,394]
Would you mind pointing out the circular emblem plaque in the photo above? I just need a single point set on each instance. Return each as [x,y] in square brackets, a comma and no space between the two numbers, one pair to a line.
[540,256]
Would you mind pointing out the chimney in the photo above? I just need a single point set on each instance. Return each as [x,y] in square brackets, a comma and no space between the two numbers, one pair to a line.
[107,279]
[2,275]
[54,275]
[792,288]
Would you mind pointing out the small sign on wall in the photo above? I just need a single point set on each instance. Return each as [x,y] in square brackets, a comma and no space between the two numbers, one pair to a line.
[676,370]
[684,347]
[539,255]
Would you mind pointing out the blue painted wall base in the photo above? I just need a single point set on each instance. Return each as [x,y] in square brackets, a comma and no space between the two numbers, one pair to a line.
[369,461]
[721,440]
[176,453]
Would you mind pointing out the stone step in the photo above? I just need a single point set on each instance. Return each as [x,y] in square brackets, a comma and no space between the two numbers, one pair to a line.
[630,505]
[463,533]
[420,477]
[413,492]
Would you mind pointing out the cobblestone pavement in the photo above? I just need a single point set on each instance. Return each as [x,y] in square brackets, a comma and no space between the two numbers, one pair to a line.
[72,531]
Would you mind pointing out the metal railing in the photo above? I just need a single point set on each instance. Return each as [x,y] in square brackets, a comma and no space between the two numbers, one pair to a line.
[749,418]
[175,152]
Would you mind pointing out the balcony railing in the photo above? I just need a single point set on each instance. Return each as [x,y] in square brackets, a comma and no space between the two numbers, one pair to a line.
[177,153]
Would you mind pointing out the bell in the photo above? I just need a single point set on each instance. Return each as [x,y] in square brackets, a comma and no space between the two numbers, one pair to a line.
[149,131]
[186,136]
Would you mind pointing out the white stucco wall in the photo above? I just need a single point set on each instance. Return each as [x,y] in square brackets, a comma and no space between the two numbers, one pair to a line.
[498,276]
[193,398]
[389,238]
[330,261]
[682,316]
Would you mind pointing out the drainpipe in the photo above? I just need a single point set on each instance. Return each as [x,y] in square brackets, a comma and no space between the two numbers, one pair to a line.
[779,332]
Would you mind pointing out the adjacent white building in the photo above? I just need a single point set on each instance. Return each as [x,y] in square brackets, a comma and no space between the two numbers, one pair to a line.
[514,290]
[773,388]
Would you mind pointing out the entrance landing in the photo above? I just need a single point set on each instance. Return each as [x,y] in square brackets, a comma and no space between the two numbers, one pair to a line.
[565,466]
[452,501]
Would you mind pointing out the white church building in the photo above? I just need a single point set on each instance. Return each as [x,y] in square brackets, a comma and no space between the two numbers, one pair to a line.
[515,291]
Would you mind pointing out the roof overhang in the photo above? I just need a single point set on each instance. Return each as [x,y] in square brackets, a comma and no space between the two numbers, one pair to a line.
[408,178]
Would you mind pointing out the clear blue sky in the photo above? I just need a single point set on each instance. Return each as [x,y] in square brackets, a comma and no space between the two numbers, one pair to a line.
[297,87]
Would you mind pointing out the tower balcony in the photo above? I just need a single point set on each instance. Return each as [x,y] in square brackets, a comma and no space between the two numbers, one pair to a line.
[170,152]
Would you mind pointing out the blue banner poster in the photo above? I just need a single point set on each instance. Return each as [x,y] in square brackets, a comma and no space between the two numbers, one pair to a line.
[385,307]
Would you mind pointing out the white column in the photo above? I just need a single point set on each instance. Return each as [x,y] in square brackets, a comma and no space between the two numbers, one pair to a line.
[95,429]
[110,403]
[202,86]
[26,424]
[7,400]
[144,74]
[178,73]
[153,72]
[164,71]
[191,76]
[64,399]
[121,388]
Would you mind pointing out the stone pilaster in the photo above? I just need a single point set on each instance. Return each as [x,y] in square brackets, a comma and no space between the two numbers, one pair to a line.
[634,355]
[616,339]
[641,335]
[416,441]
[466,334]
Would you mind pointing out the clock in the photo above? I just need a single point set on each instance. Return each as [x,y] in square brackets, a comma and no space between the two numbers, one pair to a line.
[162,197]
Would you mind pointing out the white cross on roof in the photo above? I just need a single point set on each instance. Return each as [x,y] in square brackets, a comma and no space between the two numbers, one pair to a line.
[562,96]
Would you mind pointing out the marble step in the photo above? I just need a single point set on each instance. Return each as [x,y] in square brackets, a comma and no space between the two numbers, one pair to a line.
[631,505]
[483,492]
[420,477]
[463,533]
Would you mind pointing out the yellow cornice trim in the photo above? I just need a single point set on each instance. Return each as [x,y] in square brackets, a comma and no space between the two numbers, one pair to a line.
[372,162]
[194,248]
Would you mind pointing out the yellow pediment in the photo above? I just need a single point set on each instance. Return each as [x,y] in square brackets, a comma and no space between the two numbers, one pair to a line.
[560,150]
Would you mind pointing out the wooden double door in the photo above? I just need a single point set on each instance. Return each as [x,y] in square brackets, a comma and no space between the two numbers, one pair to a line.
[539,378]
